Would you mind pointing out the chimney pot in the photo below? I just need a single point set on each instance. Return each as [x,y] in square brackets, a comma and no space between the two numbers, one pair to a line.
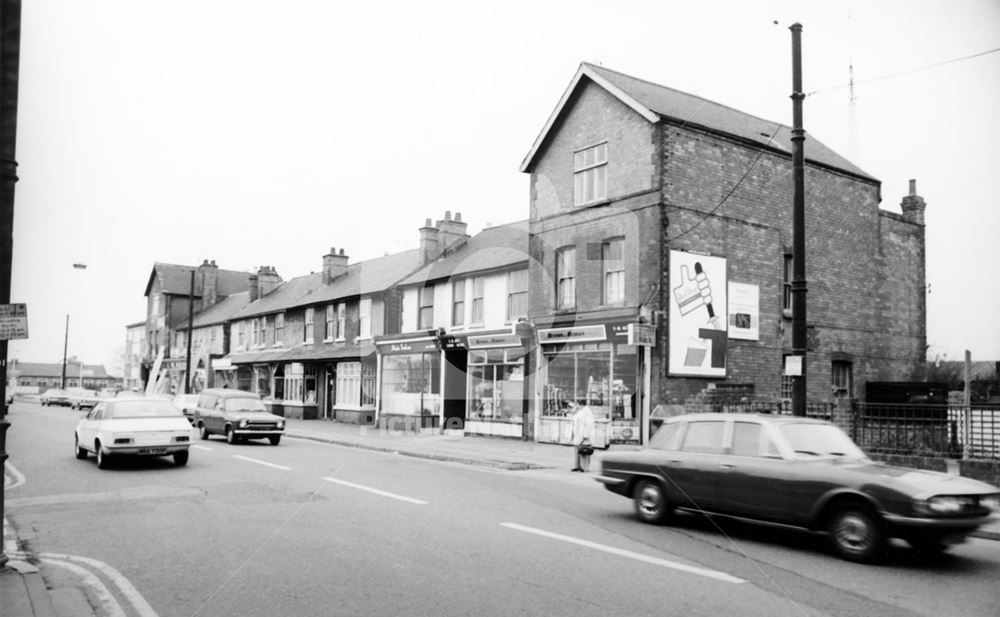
[447,215]
[458,217]
[913,187]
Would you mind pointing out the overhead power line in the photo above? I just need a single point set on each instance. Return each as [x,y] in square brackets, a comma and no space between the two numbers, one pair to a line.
[906,72]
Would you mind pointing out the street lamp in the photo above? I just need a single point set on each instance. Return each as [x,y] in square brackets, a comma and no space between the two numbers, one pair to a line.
[76,266]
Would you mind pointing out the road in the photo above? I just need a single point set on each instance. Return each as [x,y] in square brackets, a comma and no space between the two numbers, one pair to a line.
[307,528]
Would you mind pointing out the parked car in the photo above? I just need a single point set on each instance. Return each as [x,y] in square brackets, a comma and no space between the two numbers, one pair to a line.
[237,415]
[81,398]
[186,403]
[138,425]
[55,396]
[799,472]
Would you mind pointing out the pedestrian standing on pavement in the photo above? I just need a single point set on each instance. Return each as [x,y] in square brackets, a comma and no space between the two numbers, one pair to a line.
[583,435]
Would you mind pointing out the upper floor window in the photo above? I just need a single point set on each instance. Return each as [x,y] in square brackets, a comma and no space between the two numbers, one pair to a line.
[365,318]
[307,330]
[341,321]
[566,277]
[517,294]
[279,329]
[613,263]
[240,336]
[425,314]
[263,330]
[590,175]
[330,322]
[478,300]
[458,302]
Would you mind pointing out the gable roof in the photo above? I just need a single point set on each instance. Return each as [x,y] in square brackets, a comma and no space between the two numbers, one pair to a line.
[494,248]
[363,278]
[220,312]
[655,103]
[176,279]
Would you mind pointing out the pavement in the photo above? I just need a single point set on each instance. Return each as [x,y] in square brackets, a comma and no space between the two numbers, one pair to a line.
[24,592]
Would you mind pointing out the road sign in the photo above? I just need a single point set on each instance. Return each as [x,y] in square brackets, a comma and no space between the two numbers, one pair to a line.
[13,321]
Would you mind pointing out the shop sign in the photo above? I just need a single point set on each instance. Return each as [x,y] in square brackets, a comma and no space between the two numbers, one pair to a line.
[572,335]
[13,321]
[408,346]
[643,335]
[490,341]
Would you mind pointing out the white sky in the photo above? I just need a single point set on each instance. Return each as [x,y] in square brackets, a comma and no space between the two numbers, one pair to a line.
[263,133]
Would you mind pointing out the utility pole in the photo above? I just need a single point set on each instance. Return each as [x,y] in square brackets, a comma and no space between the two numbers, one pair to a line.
[799,342]
[62,384]
[10,53]
[187,369]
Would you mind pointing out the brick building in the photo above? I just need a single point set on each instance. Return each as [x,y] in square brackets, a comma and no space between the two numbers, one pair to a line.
[660,259]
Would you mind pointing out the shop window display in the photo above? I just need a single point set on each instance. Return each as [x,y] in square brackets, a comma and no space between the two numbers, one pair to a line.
[602,375]
[411,384]
[496,386]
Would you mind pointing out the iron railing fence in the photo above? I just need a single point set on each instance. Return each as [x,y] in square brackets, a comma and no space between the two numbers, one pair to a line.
[953,431]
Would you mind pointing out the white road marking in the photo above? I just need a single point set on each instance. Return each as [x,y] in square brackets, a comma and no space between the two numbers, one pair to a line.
[377,491]
[128,590]
[722,576]
[16,477]
[260,462]
[197,447]
[104,595]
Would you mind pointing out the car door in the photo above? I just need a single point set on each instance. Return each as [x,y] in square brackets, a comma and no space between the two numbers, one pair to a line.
[87,429]
[753,475]
[692,469]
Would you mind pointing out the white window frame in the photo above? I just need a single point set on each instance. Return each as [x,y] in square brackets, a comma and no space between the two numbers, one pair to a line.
[330,323]
[308,325]
[590,174]
[566,277]
[458,303]
[365,318]
[425,307]
[279,329]
[478,316]
[518,294]
[613,280]
[341,321]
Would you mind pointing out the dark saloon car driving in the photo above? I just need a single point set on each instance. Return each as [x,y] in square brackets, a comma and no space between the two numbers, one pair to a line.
[236,415]
[800,472]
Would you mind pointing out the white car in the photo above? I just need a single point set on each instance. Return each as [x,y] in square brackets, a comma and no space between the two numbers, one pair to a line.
[136,426]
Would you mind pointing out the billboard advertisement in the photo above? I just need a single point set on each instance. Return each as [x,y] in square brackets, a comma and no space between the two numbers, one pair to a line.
[698,314]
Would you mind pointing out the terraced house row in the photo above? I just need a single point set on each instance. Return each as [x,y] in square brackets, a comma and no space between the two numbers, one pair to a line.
[652,271]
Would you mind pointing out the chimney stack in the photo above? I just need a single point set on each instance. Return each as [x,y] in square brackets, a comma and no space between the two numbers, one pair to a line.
[913,205]
[253,281]
[451,231]
[207,282]
[334,265]
[429,248]
[268,280]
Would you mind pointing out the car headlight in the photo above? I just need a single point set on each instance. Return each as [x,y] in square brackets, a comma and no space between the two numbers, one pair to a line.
[281,424]
[944,504]
[990,501]
[243,423]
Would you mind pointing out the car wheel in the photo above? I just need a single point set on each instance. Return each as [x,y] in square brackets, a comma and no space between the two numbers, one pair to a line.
[81,453]
[181,458]
[103,460]
[856,534]
[204,431]
[651,505]
[231,435]
[274,439]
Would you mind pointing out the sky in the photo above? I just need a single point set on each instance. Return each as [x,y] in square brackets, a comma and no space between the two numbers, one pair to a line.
[256,133]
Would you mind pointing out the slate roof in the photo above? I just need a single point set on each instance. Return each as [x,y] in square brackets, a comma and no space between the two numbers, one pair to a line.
[656,102]
[363,278]
[220,312]
[176,279]
[494,248]
[45,369]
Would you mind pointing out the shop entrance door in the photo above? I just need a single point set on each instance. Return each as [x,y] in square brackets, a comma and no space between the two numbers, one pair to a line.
[455,365]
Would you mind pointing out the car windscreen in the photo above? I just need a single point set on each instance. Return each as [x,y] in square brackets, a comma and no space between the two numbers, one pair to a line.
[243,404]
[809,439]
[141,409]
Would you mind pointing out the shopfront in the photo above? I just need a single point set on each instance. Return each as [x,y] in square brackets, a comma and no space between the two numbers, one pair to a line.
[409,381]
[495,404]
[603,365]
